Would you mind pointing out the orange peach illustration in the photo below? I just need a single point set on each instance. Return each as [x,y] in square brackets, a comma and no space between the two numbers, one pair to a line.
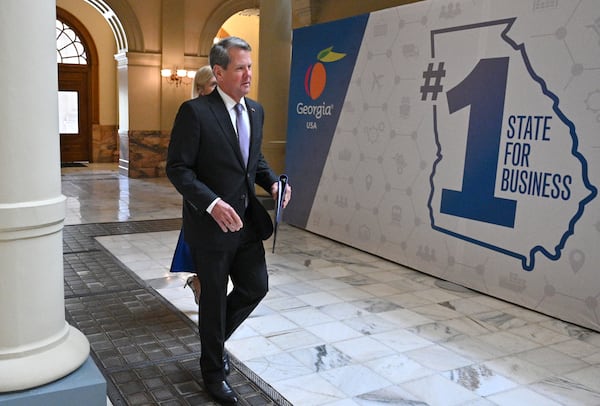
[316,75]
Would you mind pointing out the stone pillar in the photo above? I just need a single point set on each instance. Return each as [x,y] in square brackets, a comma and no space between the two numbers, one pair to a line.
[37,346]
[123,132]
[302,13]
[172,41]
[275,34]
[139,115]
[147,102]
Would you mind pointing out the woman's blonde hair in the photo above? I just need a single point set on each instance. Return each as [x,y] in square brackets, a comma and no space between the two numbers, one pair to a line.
[203,76]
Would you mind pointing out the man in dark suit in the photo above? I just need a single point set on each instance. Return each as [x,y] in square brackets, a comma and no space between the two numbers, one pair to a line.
[223,221]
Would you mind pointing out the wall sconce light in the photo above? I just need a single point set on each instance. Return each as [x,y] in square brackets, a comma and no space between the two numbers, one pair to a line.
[178,76]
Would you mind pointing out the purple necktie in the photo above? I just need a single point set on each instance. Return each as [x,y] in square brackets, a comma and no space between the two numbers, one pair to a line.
[243,133]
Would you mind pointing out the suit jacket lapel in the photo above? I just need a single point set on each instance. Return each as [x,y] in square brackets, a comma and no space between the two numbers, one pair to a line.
[254,126]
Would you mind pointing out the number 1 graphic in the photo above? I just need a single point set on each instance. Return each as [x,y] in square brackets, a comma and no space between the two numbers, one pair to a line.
[483,90]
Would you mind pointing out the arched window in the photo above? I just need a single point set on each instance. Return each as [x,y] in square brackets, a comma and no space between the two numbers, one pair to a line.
[69,48]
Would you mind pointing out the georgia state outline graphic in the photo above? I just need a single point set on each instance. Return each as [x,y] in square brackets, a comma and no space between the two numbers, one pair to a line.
[512,195]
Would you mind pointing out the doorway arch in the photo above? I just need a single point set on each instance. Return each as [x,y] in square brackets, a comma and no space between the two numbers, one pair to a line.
[81,81]
[218,18]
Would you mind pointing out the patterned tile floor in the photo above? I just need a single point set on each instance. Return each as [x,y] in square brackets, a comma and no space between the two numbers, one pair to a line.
[339,326]
[147,349]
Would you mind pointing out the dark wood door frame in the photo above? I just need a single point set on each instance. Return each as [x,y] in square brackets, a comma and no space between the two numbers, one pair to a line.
[68,74]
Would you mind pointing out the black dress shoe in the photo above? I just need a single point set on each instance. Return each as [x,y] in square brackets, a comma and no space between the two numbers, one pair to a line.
[226,365]
[222,393]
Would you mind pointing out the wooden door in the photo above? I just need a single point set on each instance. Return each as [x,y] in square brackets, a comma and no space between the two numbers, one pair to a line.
[74,112]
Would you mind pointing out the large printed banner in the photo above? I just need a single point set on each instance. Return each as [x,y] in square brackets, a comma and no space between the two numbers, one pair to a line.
[458,138]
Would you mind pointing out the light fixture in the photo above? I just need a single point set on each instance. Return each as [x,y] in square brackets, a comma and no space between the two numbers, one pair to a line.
[178,76]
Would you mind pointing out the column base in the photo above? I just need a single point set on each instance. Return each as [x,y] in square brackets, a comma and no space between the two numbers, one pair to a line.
[46,364]
[85,386]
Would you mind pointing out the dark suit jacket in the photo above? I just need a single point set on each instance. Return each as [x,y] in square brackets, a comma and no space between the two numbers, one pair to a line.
[204,162]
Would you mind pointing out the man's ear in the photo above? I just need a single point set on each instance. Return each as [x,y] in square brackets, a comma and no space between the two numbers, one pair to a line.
[218,72]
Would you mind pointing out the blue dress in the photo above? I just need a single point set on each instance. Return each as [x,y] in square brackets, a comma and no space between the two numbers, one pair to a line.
[182,258]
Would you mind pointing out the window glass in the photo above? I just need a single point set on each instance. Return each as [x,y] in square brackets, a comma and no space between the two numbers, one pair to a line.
[68,112]
[69,48]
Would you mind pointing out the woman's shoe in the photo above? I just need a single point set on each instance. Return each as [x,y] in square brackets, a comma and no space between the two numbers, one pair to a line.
[194,283]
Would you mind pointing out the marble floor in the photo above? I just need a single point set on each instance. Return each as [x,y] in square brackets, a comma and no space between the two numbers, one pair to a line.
[342,327]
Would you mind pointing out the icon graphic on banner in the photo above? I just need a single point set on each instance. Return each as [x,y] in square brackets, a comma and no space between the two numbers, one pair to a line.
[592,103]
[315,78]
[576,259]
[497,129]
[369,181]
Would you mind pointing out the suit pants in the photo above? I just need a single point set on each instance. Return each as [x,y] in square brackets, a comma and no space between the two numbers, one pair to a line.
[221,313]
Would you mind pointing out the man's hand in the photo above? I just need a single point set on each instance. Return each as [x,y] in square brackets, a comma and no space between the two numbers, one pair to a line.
[286,197]
[226,217]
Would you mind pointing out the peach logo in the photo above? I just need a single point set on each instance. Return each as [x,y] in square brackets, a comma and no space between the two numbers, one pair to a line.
[316,75]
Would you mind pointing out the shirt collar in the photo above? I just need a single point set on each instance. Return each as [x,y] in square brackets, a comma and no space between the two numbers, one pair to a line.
[229,102]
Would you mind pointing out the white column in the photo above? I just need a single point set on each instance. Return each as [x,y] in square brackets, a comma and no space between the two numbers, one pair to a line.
[37,346]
